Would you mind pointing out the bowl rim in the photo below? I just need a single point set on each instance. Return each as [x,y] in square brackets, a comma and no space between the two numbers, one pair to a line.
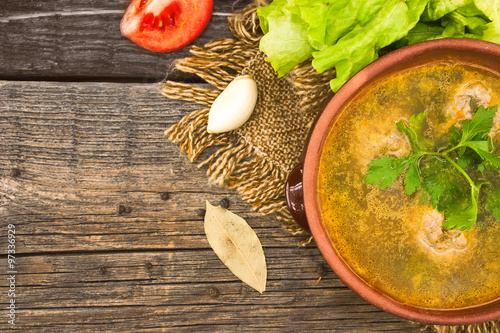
[412,54]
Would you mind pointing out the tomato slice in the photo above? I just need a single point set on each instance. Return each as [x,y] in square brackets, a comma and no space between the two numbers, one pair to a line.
[165,25]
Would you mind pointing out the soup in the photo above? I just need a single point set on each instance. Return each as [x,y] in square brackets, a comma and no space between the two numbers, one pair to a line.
[393,241]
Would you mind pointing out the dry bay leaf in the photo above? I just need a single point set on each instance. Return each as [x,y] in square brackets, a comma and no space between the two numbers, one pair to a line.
[236,245]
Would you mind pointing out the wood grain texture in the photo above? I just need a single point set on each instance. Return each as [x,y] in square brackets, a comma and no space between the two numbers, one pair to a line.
[108,233]
[70,155]
[81,40]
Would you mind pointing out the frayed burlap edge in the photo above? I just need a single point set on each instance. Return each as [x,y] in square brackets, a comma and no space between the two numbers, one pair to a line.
[236,163]
[488,327]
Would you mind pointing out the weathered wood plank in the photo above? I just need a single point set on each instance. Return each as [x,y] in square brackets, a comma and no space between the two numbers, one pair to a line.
[166,290]
[81,40]
[70,155]
[82,150]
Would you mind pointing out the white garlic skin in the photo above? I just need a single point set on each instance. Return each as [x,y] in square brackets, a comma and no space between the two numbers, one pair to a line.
[234,106]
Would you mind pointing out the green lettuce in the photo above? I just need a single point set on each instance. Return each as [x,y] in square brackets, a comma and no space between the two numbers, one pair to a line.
[436,9]
[348,34]
[360,46]
[285,42]
[447,19]
[490,8]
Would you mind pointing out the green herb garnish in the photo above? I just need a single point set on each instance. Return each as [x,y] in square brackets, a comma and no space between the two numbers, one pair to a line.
[441,171]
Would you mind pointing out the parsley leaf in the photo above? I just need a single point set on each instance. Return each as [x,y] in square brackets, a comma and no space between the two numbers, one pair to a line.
[414,131]
[417,124]
[440,171]
[462,219]
[480,123]
[412,179]
[481,148]
[444,185]
[385,170]
[493,202]
[454,135]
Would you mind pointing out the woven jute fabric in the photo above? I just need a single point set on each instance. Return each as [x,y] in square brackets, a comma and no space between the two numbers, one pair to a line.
[256,158]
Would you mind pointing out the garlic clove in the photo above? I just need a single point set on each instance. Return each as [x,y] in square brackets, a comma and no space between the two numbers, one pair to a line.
[234,106]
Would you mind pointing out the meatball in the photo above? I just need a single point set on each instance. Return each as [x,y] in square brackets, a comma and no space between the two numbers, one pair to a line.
[383,139]
[468,98]
[441,240]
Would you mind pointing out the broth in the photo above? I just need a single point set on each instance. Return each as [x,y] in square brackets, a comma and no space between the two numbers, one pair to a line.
[393,241]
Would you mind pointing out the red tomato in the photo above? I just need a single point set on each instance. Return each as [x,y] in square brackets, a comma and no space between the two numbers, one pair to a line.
[165,25]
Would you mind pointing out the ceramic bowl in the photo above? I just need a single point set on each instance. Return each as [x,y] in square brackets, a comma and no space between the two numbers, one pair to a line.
[301,187]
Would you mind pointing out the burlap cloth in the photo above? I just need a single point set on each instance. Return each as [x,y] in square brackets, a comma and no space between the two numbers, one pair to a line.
[256,158]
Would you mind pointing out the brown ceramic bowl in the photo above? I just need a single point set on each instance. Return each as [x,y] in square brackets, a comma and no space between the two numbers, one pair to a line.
[301,187]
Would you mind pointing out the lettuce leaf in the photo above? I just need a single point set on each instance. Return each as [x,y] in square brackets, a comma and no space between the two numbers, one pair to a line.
[285,41]
[447,19]
[490,8]
[421,32]
[439,8]
[360,46]
[347,34]
[329,21]
[466,21]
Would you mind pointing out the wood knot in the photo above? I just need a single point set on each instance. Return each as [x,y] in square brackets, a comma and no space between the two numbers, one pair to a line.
[103,270]
[322,269]
[15,172]
[148,265]
[214,292]
[165,196]
[124,209]
[200,212]
[224,203]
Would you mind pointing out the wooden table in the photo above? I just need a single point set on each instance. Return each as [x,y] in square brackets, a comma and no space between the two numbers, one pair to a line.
[104,207]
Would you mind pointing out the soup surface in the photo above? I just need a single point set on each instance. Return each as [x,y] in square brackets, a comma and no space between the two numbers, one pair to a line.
[393,241]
